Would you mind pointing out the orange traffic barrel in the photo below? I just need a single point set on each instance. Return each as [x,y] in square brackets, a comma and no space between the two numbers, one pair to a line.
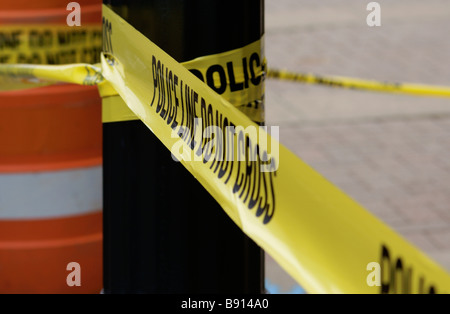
[50,157]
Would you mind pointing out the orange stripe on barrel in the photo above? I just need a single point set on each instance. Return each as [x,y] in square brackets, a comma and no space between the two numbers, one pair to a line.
[48,12]
[49,128]
[34,254]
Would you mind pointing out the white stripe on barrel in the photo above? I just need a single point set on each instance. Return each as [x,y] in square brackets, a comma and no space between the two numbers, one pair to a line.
[50,194]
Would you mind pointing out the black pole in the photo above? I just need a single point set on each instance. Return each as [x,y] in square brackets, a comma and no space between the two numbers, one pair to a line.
[163,233]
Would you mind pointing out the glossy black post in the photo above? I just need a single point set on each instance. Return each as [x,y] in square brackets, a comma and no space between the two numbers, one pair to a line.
[163,233]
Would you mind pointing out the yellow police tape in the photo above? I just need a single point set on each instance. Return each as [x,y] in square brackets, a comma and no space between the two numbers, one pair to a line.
[236,75]
[19,76]
[319,235]
[355,83]
[50,44]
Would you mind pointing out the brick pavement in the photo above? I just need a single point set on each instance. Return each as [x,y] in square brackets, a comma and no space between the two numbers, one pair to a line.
[391,153]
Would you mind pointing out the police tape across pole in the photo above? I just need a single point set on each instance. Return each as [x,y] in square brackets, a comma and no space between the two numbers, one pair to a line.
[319,235]
[360,84]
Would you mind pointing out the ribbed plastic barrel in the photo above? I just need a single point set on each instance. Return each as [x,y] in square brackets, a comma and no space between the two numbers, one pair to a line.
[50,155]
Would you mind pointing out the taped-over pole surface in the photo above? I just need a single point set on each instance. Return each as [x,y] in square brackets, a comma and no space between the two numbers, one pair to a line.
[163,233]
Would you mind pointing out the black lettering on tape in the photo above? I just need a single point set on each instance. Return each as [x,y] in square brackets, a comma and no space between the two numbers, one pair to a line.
[398,278]
[222,76]
[254,59]
[155,79]
[72,37]
[62,57]
[253,186]
[5,58]
[40,39]
[233,85]
[33,58]
[10,40]
[198,74]
[91,55]
[177,104]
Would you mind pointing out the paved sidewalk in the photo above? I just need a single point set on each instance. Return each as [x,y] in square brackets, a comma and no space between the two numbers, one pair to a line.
[391,153]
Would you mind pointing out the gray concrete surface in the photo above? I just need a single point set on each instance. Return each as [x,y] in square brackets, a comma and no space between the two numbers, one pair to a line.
[389,152]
